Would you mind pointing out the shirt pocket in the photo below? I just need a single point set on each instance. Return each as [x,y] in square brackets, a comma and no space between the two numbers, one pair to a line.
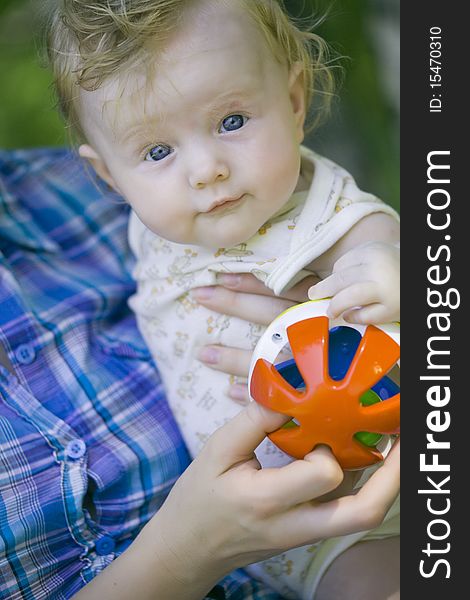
[33,488]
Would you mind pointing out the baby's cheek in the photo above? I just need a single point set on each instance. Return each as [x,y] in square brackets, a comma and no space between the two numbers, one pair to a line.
[158,209]
[285,168]
[284,148]
[169,224]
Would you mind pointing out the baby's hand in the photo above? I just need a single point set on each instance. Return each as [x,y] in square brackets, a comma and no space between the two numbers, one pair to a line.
[364,285]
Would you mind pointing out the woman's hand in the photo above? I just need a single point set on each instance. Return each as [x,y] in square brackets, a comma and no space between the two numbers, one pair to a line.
[225,512]
[245,297]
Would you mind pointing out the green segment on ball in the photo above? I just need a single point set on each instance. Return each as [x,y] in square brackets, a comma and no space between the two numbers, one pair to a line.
[366,437]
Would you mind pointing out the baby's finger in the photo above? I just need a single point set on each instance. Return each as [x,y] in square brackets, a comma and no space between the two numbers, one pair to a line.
[336,282]
[359,294]
[229,360]
[250,307]
[372,314]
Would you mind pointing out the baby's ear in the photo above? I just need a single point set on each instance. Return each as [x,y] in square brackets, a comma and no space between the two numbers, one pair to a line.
[297,97]
[98,164]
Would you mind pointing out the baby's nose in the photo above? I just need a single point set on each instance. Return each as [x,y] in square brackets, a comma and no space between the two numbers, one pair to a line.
[208,170]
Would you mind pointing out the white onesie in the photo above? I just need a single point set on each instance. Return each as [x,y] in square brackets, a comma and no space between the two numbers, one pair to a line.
[175,326]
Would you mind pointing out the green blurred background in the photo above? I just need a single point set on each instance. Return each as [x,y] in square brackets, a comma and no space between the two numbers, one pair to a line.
[361,135]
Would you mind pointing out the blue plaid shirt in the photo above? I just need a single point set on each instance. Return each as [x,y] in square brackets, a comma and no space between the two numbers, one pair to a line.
[88,447]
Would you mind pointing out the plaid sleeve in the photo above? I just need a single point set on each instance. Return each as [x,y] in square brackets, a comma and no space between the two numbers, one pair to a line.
[240,586]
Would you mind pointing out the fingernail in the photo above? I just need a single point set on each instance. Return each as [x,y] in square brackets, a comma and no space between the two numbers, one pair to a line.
[238,393]
[229,279]
[209,355]
[203,293]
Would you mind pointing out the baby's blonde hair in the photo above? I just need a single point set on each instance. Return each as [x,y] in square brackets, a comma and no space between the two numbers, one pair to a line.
[88,42]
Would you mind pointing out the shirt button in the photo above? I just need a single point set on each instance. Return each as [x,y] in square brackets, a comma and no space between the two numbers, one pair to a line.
[105,545]
[75,449]
[25,354]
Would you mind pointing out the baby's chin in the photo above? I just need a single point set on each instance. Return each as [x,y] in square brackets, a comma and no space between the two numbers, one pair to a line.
[223,235]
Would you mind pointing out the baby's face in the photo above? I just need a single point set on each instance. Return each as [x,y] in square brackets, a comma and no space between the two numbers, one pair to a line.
[209,149]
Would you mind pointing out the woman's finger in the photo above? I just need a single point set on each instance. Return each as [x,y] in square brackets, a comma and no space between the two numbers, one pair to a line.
[230,360]
[235,442]
[243,282]
[239,393]
[247,283]
[301,480]
[250,307]
[246,297]
[234,361]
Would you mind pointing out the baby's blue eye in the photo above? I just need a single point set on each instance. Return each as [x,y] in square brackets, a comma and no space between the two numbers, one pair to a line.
[232,123]
[158,152]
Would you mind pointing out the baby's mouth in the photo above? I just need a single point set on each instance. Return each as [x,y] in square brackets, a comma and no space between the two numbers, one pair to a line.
[225,204]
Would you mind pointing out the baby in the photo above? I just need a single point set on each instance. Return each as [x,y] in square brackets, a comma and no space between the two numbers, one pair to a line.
[195,112]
